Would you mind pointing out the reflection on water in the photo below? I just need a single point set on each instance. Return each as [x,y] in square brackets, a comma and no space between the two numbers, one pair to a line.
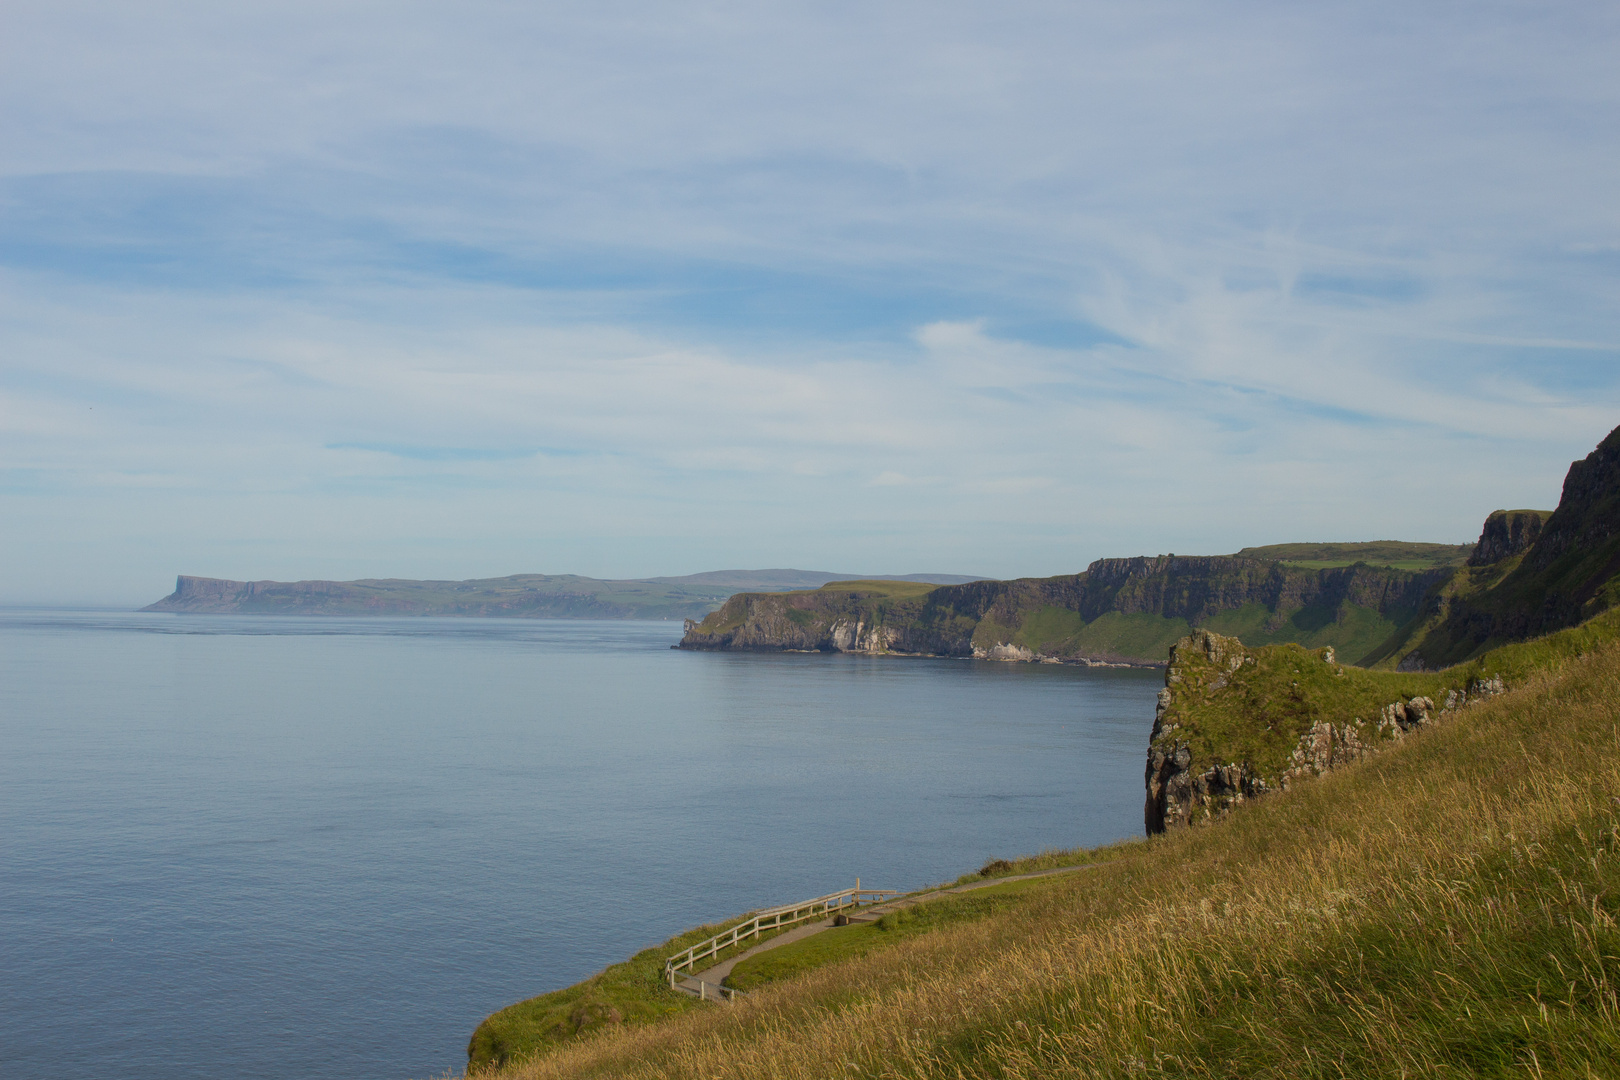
[302,847]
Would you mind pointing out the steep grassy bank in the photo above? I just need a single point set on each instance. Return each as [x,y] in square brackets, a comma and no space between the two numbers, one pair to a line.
[1446,908]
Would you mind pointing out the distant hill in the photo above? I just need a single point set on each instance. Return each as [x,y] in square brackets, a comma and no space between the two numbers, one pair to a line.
[533,596]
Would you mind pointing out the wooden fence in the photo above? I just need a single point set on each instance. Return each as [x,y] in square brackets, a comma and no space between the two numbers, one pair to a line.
[769,919]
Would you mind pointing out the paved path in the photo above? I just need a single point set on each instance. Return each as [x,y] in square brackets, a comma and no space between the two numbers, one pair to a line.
[716,975]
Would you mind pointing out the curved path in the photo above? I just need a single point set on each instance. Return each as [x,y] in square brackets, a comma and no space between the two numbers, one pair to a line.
[715,976]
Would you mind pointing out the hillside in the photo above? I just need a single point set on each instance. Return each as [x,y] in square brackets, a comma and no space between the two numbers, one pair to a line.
[1449,907]
[1554,571]
[1398,554]
[1440,899]
[1117,611]
[534,596]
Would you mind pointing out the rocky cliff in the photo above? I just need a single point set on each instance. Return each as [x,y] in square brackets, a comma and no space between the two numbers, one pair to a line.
[1532,572]
[1234,723]
[1117,611]
[1508,533]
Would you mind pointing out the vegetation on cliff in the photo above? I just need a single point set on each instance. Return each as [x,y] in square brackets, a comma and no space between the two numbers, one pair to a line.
[1400,555]
[1568,572]
[1117,611]
[1446,908]
[1235,722]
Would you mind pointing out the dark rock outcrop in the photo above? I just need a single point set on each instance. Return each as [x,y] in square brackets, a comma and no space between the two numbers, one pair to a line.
[1507,533]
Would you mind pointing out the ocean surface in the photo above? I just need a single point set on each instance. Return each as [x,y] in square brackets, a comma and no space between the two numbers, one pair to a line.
[295,847]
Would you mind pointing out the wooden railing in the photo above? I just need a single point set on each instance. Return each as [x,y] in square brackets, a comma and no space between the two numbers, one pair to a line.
[770,919]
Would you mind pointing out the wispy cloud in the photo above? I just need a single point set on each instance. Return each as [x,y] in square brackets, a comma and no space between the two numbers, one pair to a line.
[628,289]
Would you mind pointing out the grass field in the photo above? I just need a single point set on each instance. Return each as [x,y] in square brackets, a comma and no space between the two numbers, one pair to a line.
[1399,554]
[1447,909]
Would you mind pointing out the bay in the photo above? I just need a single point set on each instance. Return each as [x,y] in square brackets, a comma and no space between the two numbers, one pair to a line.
[314,847]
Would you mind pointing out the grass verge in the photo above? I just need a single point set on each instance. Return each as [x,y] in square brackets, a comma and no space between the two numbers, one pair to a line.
[860,939]
[629,993]
[1447,908]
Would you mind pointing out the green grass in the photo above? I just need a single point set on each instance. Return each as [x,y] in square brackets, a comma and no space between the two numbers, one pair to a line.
[1352,631]
[1257,713]
[1050,630]
[1138,636]
[848,942]
[632,992]
[1051,859]
[1145,637]
[1396,554]
[1449,908]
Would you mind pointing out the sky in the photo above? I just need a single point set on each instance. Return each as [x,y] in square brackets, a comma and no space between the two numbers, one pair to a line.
[350,289]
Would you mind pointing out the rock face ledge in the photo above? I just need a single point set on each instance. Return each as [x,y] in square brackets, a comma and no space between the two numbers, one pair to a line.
[1234,723]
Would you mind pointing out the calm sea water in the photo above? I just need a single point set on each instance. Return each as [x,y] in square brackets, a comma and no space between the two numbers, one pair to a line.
[285,847]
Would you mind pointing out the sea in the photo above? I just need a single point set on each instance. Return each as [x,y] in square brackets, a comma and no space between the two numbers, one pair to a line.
[289,847]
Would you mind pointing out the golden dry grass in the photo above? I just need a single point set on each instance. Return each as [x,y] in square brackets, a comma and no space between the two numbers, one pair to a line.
[1447,908]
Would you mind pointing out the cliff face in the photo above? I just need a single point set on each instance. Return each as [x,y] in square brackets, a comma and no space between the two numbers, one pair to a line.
[1549,571]
[1234,723]
[1507,533]
[1117,611]
[863,618]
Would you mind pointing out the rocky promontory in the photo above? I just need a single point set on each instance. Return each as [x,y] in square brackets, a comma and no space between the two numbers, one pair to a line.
[1234,723]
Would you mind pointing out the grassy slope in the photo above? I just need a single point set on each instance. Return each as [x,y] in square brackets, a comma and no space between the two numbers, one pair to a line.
[633,992]
[863,939]
[1270,702]
[1447,908]
[1399,554]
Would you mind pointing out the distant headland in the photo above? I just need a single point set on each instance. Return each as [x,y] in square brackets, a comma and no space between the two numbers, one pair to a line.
[531,596]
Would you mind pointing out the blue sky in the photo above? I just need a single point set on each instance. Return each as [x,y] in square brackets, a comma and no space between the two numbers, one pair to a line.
[365,289]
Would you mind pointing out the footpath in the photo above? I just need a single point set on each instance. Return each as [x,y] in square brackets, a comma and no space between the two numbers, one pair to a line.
[709,983]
